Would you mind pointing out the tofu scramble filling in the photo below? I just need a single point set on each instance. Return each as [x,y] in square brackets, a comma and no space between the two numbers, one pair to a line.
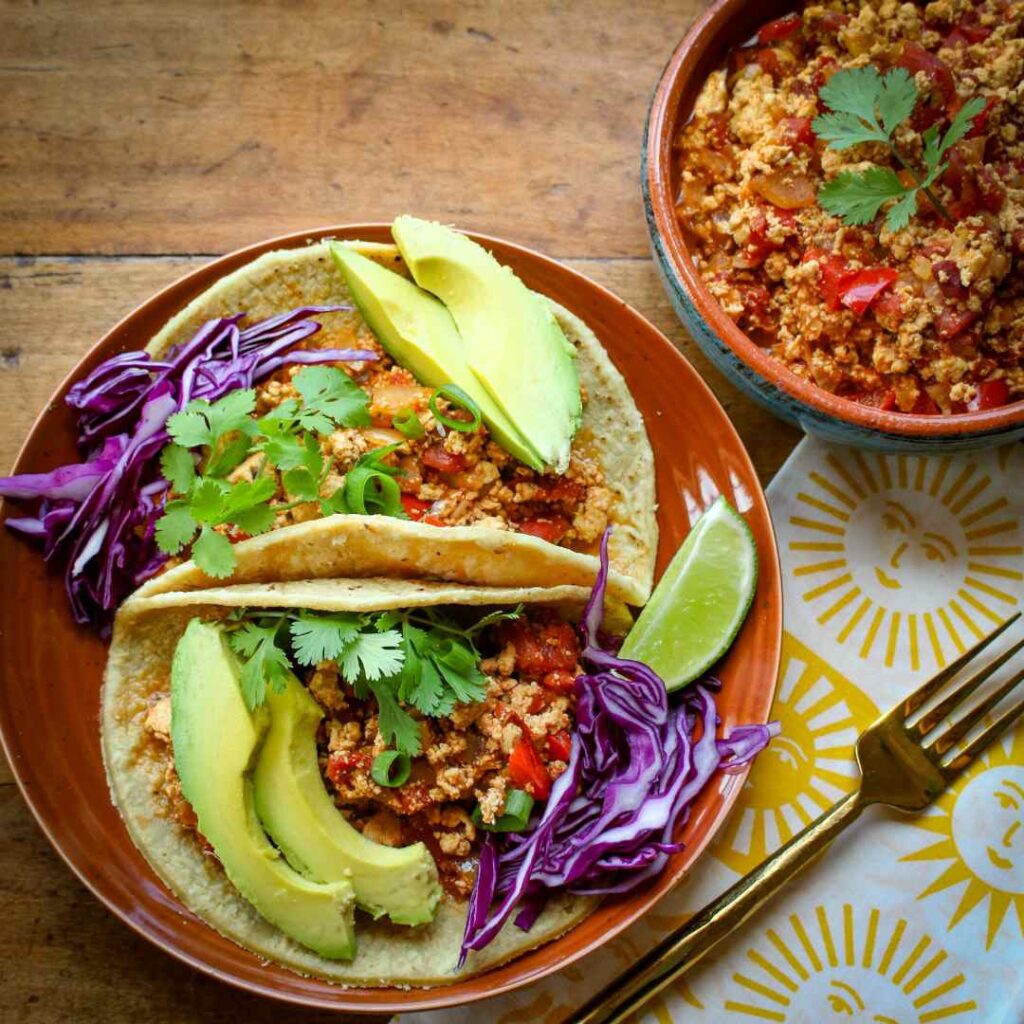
[928,319]
[517,737]
[447,477]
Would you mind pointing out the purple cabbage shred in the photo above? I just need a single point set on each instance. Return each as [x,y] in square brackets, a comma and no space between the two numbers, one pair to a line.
[611,821]
[100,513]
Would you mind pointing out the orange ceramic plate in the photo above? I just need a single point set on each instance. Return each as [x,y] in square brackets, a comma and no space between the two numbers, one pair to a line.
[49,697]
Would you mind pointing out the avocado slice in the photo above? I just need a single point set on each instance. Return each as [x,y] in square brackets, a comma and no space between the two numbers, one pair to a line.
[215,741]
[418,333]
[512,341]
[299,815]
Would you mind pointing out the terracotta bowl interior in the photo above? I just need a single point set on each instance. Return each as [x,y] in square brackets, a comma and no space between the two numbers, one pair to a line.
[52,670]
[728,23]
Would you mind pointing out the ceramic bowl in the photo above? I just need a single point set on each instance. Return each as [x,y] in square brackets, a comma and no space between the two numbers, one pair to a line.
[51,670]
[724,25]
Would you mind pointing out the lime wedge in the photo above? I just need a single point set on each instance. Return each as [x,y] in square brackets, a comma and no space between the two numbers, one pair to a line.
[700,603]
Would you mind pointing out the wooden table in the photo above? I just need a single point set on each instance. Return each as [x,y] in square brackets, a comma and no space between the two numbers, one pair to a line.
[139,139]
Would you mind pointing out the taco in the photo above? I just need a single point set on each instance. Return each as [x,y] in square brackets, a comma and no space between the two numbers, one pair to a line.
[251,747]
[317,414]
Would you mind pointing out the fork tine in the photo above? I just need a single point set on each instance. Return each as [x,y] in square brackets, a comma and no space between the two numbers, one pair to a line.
[919,696]
[942,710]
[976,746]
[962,725]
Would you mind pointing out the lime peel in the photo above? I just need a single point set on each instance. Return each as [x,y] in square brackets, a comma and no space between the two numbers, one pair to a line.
[700,602]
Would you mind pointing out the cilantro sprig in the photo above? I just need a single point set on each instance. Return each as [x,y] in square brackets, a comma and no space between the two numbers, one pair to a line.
[865,106]
[419,659]
[211,439]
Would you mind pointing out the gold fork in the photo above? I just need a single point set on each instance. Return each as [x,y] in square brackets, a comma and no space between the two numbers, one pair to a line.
[898,769]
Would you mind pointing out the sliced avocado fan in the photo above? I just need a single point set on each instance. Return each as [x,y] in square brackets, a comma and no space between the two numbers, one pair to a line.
[299,815]
[512,342]
[215,740]
[418,332]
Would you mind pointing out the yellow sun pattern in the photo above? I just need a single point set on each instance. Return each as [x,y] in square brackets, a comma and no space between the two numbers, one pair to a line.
[865,527]
[846,964]
[979,823]
[807,768]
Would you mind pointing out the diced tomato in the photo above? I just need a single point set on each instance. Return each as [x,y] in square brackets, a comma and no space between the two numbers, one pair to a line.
[925,405]
[341,762]
[560,746]
[966,31]
[559,681]
[947,277]
[881,399]
[888,306]
[770,63]
[797,131]
[832,21]
[565,490]
[780,28]
[549,528]
[991,194]
[864,286]
[991,395]
[951,322]
[755,299]
[914,57]
[759,246]
[438,457]
[542,648]
[527,771]
[415,508]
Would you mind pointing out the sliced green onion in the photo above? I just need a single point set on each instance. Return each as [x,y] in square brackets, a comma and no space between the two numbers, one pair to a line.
[407,423]
[515,817]
[370,488]
[390,768]
[453,394]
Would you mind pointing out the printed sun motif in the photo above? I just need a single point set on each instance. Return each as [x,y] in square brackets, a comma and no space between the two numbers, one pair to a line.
[980,825]
[867,530]
[847,965]
[806,768]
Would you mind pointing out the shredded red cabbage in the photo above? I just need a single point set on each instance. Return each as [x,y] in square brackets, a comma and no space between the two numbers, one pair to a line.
[100,513]
[612,817]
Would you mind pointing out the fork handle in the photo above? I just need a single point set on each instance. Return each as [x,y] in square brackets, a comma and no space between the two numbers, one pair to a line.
[680,950]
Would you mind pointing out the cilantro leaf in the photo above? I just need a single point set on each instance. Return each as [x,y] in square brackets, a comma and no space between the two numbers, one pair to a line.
[202,423]
[254,520]
[317,638]
[857,198]
[331,398]
[372,656]
[459,665]
[175,528]
[178,467]
[206,498]
[243,497]
[263,661]
[864,106]
[213,553]
[397,727]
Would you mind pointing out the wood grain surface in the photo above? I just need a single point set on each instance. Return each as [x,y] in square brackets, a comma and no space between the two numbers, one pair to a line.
[137,139]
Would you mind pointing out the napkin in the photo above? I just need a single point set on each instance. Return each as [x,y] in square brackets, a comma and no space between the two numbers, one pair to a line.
[892,565]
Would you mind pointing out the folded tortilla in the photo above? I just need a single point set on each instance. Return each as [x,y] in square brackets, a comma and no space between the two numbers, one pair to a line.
[341,546]
[146,632]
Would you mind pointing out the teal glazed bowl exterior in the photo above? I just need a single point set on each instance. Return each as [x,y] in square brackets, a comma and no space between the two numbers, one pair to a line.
[725,24]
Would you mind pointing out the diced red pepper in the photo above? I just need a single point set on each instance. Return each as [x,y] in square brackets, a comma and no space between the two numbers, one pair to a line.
[780,28]
[542,648]
[914,57]
[979,123]
[968,30]
[768,58]
[415,508]
[864,286]
[947,277]
[549,528]
[797,130]
[565,490]
[560,746]
[438,457]
[832,21]
[951,322]
[888,305]
[341,762]
[881,399]
[991,394]
[559,681]
[527,771]
[433,521]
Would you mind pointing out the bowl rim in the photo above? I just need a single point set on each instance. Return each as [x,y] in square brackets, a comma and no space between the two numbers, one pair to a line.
[395,999]
[676,259]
